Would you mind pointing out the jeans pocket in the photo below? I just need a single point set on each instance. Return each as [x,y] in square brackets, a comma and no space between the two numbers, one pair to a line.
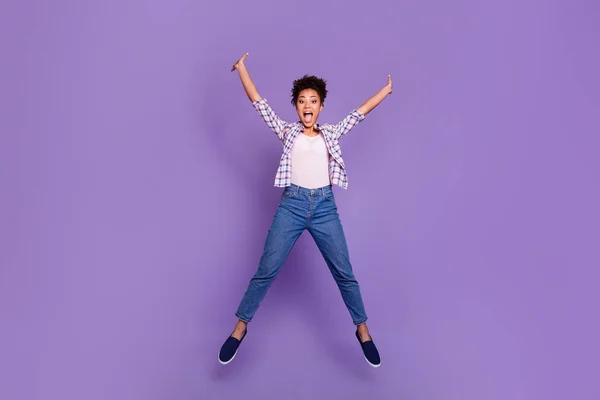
[288,193]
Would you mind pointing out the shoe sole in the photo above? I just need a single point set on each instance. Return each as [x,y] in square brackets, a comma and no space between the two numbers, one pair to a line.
[372,365]
[226,362]
[234,354]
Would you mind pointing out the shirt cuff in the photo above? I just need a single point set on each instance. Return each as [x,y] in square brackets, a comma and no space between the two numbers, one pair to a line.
[358,115]
[260,101]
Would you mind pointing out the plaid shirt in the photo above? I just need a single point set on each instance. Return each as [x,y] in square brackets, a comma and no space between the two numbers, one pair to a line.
[287,133]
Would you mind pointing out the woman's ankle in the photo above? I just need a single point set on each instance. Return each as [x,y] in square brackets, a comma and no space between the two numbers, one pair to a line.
[240,326]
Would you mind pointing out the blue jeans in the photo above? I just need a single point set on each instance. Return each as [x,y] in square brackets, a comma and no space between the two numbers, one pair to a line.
[313,210]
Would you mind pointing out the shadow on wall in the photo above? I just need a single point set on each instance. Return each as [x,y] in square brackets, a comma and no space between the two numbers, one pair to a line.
[297,291]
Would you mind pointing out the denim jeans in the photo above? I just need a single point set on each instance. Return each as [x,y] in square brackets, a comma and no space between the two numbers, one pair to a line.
[313,210]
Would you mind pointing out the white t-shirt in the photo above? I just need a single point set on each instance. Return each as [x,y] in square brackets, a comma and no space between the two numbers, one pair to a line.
[310,161]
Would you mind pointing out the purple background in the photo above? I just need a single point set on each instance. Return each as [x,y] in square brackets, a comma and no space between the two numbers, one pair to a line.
[137,188]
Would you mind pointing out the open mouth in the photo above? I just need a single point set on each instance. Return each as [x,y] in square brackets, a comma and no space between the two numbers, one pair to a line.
[308,116]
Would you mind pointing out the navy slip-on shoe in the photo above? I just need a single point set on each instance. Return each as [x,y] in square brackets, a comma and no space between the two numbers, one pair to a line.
[230,348]
[370,352]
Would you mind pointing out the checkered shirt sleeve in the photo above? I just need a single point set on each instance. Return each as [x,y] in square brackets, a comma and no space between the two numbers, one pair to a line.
[346,124]
[272,120]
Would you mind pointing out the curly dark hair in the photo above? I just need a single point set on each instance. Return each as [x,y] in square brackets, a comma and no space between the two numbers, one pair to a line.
[309,82]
